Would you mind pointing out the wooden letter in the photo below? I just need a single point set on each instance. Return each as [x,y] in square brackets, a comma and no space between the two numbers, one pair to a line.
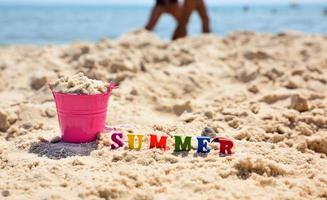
[131,141]
[226,145]
[182,146]
[203,144]
[161,144]
[117,137]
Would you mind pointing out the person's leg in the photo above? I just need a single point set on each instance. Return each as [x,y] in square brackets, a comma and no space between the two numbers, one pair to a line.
[175,10]
[202,10]
[181,30]
[154,17]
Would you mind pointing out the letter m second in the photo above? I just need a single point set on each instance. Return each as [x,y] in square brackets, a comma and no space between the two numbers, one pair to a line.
[182,146]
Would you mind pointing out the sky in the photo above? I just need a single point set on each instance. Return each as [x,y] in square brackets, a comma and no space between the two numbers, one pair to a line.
[142,2]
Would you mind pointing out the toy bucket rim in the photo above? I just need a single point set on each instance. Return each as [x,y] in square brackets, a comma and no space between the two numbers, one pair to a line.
[112,86]
[72,94]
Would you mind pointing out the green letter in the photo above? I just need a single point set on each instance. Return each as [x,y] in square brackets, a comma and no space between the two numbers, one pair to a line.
[182,146]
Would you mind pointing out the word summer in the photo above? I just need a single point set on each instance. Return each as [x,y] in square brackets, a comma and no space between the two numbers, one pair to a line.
[182,143]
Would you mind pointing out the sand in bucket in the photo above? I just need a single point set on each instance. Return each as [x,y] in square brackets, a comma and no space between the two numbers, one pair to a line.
[81,116]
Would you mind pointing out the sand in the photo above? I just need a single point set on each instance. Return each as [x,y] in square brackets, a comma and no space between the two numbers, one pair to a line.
[265,91]
[78,84]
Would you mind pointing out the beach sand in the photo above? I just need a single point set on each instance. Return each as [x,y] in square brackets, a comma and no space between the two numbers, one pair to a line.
[268,92]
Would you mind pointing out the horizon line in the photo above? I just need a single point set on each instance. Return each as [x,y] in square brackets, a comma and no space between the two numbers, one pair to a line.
[149,4]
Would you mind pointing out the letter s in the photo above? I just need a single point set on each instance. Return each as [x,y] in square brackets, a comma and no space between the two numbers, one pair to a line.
[117,137]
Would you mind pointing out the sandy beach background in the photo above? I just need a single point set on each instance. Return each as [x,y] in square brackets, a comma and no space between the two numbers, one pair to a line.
[266,91]
[265,88]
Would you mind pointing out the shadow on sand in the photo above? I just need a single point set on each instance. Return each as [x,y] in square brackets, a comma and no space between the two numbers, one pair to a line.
[181,154]
[61,150]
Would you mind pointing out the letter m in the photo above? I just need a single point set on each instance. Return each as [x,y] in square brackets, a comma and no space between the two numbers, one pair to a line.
[182,146]
[161,144]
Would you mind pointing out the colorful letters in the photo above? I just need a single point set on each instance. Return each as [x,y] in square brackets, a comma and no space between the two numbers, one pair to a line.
[182,143]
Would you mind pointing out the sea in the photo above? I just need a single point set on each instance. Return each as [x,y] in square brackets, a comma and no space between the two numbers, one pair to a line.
[58,24]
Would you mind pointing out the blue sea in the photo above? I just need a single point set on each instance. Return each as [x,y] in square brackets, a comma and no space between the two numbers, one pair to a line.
[46,24]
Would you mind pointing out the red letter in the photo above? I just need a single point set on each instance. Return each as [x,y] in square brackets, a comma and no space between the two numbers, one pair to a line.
[155,144]
[225,145]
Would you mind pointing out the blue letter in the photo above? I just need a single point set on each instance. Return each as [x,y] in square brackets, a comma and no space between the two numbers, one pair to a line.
[203,144]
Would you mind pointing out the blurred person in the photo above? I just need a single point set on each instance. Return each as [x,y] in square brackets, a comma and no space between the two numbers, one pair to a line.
[188,8]
[163,6]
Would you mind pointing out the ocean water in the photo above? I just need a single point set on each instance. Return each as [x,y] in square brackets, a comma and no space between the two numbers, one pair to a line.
[60,24]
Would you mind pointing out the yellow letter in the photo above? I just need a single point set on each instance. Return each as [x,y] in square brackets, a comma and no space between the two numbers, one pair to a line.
[131,140]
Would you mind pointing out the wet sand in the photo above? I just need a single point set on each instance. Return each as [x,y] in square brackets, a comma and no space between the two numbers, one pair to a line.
[268,92]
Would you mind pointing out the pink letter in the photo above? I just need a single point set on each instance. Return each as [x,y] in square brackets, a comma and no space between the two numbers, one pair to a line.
[117,137]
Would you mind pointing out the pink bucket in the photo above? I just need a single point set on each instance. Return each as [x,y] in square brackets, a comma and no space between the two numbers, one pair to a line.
[82,117]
